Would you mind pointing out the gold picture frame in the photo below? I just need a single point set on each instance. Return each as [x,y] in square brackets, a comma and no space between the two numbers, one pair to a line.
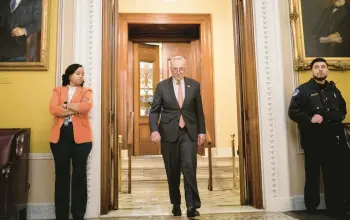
[310,45]
[36,52]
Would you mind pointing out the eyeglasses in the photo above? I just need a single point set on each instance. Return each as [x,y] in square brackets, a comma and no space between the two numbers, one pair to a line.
[176,70]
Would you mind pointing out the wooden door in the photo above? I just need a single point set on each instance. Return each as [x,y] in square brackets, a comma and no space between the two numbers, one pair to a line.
[151,65]
[146,77]
[170,50]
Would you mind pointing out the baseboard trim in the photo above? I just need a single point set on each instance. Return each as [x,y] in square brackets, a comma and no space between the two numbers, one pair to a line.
[299,204]
[40,156]
[40,211]
[278,204]
[294,203]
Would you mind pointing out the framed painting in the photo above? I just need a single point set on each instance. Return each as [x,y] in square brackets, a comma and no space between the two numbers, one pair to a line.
[321,28]
[24,34]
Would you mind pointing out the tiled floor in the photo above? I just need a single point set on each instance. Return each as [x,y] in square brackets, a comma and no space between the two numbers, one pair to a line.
[300,215]
[150,189]
[232,216]
[156,203]
[150,199]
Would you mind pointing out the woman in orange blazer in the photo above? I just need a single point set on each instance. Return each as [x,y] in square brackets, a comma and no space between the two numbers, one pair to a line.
[71,138]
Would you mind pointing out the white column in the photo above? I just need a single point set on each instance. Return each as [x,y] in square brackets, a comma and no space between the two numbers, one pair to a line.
[87,51]
[272,107]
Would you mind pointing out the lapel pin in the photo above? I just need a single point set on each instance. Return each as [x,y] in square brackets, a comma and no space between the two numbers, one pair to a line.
[188,85]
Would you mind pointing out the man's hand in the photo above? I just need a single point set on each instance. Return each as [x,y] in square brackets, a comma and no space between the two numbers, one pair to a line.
[331,39]
[317,119]
[200,139]
[18,32]
[155,136]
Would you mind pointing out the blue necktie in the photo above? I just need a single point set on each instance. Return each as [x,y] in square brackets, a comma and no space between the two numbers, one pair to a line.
[13,5]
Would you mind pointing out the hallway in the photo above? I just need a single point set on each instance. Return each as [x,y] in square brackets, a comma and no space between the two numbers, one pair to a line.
[301,215]
[236,216]
[150,189]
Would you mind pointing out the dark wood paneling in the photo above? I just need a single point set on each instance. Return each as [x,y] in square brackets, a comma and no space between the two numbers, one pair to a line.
[164,31]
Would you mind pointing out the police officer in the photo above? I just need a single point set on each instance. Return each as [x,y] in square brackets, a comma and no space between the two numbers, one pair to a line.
[318,108]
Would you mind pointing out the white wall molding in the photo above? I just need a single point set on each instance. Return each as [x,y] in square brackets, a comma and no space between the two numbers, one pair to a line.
[272,115]
[40,156]
[87,51]
[86,39]
[60,42]
[65,35]
[299,203]
[40,211]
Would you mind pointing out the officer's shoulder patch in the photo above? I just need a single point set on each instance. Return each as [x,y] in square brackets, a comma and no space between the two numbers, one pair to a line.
[296,91]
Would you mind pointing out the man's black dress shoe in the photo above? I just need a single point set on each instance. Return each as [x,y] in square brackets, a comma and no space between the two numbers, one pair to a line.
[176,210]
[192,212]
[197,213]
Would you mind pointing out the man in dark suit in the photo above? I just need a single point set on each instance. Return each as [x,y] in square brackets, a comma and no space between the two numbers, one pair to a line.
[180,130]
[19,19]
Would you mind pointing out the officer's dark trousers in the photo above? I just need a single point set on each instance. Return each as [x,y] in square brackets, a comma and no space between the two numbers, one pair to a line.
[65,150]
[344,177]
[343,174]
[322,151]
[180,156]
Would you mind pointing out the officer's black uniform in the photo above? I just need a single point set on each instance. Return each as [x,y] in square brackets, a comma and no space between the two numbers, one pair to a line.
[324,144]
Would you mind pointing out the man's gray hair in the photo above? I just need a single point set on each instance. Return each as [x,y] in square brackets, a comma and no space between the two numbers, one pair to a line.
[177,58]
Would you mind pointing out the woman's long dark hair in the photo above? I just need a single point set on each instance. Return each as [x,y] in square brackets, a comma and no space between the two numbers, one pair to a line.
[69,71]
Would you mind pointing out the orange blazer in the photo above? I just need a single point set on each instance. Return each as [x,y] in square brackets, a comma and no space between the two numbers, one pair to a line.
[81,124]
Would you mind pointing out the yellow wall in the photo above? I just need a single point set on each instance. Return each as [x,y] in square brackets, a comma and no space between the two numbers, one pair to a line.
[342,81]
[25,101]
[223,53]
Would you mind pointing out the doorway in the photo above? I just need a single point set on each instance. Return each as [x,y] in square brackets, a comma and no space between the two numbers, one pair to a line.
[150,66]
[248,137]
[184,34]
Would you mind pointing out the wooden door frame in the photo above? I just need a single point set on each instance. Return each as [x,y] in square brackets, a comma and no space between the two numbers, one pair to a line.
[247,104]
[204,20]
[106,70]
